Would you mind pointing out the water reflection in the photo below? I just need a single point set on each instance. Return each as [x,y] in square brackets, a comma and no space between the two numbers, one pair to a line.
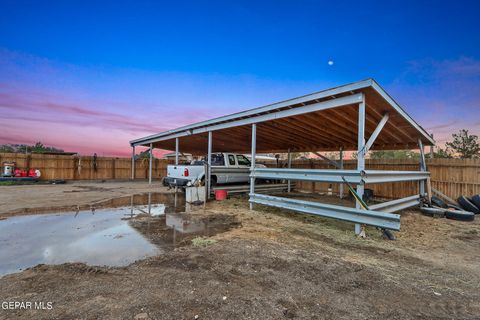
[96,238]
[146,225]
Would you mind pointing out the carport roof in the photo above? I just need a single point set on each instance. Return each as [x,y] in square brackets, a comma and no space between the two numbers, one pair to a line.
[323,121]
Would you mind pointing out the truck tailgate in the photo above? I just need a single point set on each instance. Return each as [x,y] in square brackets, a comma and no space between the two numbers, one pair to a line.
[174,171]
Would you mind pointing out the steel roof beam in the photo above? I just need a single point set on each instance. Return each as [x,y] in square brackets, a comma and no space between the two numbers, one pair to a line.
[283,104]
[332,162]
[338,102]
[375,133]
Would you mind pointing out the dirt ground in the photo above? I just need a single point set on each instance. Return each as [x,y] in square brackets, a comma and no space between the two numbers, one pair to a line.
[63,197]
[272,264]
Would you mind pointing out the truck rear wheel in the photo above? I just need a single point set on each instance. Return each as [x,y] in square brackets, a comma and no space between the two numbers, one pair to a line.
[213,182]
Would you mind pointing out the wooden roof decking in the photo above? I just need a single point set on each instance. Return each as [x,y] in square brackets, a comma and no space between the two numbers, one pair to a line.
[326,129]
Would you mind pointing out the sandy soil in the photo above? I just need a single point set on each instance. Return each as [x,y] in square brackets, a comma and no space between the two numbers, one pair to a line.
[274,264]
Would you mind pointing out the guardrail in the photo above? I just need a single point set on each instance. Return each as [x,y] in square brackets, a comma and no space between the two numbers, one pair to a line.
[274,187]
[335,176]
[382,176]
[397,205]
[223,170]
[374,218]
[379,215]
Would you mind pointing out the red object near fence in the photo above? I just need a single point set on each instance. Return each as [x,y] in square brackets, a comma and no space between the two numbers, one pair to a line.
[18,173]
[221,195]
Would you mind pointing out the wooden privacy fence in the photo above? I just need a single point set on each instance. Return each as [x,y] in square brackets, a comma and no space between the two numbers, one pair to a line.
[76,167]
[454,177]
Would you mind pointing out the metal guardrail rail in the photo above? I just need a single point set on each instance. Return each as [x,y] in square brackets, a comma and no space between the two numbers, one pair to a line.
[274,187]
[223,170]
[374,218]
[397,205]
[380,215]
[335,176]
[382,176]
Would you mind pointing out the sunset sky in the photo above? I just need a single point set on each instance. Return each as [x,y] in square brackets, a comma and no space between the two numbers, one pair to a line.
[90,76]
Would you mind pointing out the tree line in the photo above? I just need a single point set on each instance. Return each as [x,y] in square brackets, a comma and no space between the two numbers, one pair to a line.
[23,148]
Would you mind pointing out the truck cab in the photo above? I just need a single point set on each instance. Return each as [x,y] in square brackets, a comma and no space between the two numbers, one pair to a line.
[226,168]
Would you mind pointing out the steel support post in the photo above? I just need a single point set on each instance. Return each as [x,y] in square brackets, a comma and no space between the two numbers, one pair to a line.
[177,147]
[131,205]
[150,164]
[149,204]
[133,162]
[209,165]
[252,164]
[361,154]
[341,168]
[423,166]
[432,152]
[289,164]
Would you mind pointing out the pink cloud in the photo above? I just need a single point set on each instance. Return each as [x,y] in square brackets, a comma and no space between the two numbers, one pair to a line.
[442,95]
[30,116]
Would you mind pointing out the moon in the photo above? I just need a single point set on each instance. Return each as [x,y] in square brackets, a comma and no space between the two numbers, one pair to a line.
[330,62]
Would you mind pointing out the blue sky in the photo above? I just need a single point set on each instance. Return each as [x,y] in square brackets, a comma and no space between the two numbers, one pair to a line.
[125,69]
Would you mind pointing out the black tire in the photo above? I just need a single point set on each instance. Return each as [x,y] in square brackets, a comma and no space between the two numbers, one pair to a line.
[476,200]
[213,183]
[452,206]
[367,195]
[467,205]
[389,234]
[164,183]
[433,212]
[459,215]
[436,201]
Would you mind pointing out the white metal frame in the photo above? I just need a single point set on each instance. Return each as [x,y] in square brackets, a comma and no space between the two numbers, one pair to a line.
[358,177]
[380,215]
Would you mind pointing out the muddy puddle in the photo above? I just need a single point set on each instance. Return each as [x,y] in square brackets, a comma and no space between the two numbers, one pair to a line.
[136,227]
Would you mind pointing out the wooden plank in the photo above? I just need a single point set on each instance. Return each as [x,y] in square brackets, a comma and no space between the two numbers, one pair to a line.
[429,190]
[442,195]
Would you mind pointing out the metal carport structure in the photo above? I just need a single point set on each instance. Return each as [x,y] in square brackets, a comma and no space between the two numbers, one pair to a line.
[358,117]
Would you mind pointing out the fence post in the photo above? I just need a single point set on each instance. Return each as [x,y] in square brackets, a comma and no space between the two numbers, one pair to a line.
[113,169]
[74,160]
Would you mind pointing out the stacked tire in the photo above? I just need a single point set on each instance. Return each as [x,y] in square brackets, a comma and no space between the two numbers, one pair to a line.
[476,200]
[469,208]
[469,204]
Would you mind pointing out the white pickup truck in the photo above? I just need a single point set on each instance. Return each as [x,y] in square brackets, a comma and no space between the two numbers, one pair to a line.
[226,168]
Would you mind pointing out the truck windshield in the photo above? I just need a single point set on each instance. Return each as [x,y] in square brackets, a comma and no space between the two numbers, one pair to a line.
[243,161]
